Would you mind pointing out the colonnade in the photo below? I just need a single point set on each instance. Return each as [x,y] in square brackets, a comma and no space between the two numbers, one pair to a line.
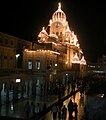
[29,86]
[13,91]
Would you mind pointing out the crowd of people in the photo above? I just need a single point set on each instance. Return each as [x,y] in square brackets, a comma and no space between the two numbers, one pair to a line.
[61,112]
[31,110]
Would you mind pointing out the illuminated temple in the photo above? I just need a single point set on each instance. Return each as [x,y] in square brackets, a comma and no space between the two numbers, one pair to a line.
[60,46]
[62,39]
[37,67]
[59,51]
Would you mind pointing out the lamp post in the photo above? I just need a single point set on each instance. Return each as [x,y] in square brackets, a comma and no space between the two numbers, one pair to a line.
[17,56]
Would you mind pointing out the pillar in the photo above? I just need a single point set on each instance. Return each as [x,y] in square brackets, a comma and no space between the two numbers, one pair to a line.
[0,95]
[27,90]
[45,90]
[15,92]
[7,94]
[41,93]
[33,89]
[22,90]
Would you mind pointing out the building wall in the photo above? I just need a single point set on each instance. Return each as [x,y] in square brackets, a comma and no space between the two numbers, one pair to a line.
[47,59]
[10,46]
[7,59]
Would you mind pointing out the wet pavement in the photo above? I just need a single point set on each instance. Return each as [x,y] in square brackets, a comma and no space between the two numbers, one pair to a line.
[80,100]
[16,110]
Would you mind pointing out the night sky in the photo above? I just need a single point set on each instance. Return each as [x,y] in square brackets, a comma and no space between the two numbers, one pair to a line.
[23,19]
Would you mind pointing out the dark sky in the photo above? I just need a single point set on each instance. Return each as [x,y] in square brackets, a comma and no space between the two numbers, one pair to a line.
[22,18]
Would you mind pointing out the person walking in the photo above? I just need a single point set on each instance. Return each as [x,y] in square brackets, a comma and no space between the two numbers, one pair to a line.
[37,111]
[70,109]
[27,109]
[75,110]
[54,111]
[59,113]
[32,109]
[64,112]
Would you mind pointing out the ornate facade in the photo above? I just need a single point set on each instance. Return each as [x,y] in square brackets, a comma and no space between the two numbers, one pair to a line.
[59,57]
[63,39]
[60,46]
[56,57]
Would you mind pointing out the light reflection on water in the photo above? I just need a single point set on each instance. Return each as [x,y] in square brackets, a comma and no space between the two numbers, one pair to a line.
[12,107]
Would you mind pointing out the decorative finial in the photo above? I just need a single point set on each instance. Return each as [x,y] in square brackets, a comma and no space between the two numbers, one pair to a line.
[59,7]
[43,28]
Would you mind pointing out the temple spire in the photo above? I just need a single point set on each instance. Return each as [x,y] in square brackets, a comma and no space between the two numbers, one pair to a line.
[59,7]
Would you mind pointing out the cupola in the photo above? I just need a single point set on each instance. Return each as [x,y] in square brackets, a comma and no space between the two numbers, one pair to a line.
[83,61]
[75,59]
[59,15]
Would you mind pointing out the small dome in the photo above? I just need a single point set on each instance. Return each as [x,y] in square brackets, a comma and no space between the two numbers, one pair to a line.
[67,30]
[83,61]
[75,59]
[43,33]
[59,14]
